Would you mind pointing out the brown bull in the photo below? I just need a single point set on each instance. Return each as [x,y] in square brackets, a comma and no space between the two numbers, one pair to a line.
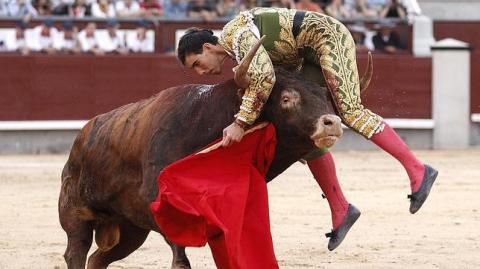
[110,177]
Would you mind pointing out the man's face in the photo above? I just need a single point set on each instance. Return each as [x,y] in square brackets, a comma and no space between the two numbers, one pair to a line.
[90,29]
[205,63]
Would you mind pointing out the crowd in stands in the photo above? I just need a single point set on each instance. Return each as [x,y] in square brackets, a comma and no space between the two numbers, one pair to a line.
[351,10]
[67,39]
[206,9]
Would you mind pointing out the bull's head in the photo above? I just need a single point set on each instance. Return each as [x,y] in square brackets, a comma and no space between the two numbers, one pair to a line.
[296,106]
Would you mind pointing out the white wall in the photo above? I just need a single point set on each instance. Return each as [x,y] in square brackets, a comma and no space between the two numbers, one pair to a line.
[458,10]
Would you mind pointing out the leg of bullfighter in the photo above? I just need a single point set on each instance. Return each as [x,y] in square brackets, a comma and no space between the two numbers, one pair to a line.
[335,53]
[344,215]
[131,237]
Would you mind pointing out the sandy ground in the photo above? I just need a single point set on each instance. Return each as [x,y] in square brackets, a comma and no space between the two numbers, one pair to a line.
[443,234]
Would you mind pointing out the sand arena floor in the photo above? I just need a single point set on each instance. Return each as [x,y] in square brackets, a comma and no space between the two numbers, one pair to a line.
[445,233]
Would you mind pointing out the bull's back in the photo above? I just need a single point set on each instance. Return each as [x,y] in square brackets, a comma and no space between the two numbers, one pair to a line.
[118,155]
[105,165]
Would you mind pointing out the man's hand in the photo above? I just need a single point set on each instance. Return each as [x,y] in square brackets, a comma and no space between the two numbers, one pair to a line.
[233,133]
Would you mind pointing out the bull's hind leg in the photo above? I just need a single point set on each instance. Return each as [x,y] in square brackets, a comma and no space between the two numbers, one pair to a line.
[131,238]
[180,260]
[79,233]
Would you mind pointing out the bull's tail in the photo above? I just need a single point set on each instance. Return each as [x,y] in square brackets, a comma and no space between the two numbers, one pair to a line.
[107,235]
[107,230]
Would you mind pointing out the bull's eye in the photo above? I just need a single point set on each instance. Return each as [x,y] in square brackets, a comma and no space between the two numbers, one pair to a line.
[289,99]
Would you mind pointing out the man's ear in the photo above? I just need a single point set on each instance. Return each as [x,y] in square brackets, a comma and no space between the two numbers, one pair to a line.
[207,46]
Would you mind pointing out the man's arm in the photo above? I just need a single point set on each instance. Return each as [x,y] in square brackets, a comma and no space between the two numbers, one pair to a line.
[262,79]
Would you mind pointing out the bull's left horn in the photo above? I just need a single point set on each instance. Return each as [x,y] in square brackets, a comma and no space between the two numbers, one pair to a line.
[367,77]
[241,76]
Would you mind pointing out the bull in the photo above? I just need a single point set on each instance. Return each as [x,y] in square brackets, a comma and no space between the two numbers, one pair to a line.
[110,177]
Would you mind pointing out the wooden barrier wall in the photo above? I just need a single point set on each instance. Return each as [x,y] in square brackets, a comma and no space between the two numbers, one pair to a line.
[40,87]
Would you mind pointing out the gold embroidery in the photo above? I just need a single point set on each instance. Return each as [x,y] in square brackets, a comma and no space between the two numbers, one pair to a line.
[262,80]
[334,51]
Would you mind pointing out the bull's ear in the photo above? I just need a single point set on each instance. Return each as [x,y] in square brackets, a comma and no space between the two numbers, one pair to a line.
[241,76]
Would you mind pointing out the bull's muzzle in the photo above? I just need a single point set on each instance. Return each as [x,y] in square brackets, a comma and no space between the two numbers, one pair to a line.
[328,129]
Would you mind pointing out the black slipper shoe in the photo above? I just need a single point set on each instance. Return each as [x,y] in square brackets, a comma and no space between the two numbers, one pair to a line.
[337,236]
[418,198]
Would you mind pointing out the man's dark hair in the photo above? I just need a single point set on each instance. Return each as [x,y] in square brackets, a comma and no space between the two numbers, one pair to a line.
[192,42]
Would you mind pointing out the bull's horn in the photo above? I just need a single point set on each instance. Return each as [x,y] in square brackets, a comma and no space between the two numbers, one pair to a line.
[365,81]
[241,77]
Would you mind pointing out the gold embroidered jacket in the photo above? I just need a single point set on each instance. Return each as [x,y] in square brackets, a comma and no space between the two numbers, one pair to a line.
[278,47]
[322,40]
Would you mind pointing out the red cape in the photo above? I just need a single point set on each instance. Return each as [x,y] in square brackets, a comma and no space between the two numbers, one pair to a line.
[220,197]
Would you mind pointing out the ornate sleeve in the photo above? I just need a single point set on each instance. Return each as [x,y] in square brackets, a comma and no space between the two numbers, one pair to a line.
[262,78]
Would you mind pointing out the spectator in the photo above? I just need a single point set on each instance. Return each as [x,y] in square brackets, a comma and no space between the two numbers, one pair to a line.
[248,4]
[175,9]
[61,7]
[3,46]
[141,42]
[393,9]
[43,7]
[359,34]
[203,9]
[308,5]
[337,10]
[89,41]
[67,41]
[227,9]
[80,9]
[21,8]
[103,9]
[322,3]
[19,43]
[387,40]
[44,37]
[281,3]
[361,9]
[151,8]
[3,8]
[127,8]
[377,4]
[113,41]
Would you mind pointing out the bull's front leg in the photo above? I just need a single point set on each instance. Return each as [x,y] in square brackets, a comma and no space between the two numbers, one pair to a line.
[180,260]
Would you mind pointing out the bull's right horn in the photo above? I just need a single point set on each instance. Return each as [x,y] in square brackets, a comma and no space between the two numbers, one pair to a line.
[367,77]
[241,76]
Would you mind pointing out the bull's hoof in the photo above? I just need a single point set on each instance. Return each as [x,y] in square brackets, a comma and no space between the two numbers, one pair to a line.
[183,264]
[418,198]
[337,236]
